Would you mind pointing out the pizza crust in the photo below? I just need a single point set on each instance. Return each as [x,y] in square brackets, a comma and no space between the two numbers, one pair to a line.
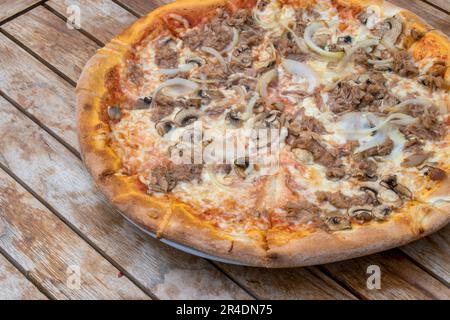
[168,217]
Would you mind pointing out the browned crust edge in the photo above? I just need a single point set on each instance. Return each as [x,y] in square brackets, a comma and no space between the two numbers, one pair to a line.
[168,219]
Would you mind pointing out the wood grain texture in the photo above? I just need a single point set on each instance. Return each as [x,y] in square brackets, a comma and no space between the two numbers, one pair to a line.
[103,19]
[433,16]
[59,177]
[38,90]
[49,37]
[142,7]
[443,4]
[45,247]
[400,279]
[433,253]
[294,283]
[8,8]
[14,285]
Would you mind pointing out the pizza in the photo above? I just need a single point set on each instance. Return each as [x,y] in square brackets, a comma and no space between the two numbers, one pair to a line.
[273,133]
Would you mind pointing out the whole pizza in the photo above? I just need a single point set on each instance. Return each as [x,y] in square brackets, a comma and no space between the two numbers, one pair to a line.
[273,133]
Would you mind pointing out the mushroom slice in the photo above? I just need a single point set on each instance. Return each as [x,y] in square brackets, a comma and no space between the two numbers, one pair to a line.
[164,127]
[114,113]
[363,213]
[233,118]
[381,212]
[303,156]
[186,116]
[416,159]
[434,173]
[371,192]
[197,60]
[390,36]
[240,167]
[337,223]
[390,182]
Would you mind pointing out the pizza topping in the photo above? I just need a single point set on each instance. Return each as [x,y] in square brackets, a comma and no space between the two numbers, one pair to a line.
[161,180]
[416,159]
[435,76]
[166,55]
[310,31]
[186,116]
[395,27]
[288,45]
[358,93]
[338,223]
[301,70]
[114,113]
[390,182]
[363,213]
[164,127]
[381,212]
[434,173]
[162,107]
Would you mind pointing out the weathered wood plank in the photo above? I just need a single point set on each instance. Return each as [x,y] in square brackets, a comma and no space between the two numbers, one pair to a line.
[14,285]
[432,253]
[433,16]
[103,19]
[57,176]
[443,4]
[39,91]
[295,283]
[49,37]
[142,7]
[8,8]
[400,279]
[46,248]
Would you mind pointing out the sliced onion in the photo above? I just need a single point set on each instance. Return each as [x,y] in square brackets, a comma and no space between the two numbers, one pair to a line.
[250,105]
[205,81]
[399,143]
[360,45]
[377,140]
[299,41]
[263,84]
[263,24]
[180,19]
[395,118]
[183,87]
[183,68]
[217,55]
[233,42]
[309,32]
[302,70]
[400,107]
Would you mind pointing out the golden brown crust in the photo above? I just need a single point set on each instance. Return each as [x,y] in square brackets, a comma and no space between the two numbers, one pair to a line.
[322,247]
[170,219]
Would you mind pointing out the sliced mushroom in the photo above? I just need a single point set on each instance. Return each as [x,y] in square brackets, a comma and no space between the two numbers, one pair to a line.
[197,60]
[208,95]
[164,127]
[337,223]
[186,116]
[390,182]
[434,173]
[363,213]
[395,29]
[416,159]
[274,119]
[240,167]
[233,118]
[114,113]
[373,194]
[381,212]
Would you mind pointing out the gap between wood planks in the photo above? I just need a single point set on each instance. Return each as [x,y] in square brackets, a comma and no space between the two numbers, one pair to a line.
[72,83]
[20,269]
[73,229]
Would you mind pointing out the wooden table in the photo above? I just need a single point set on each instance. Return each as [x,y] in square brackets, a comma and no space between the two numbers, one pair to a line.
[54,222]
